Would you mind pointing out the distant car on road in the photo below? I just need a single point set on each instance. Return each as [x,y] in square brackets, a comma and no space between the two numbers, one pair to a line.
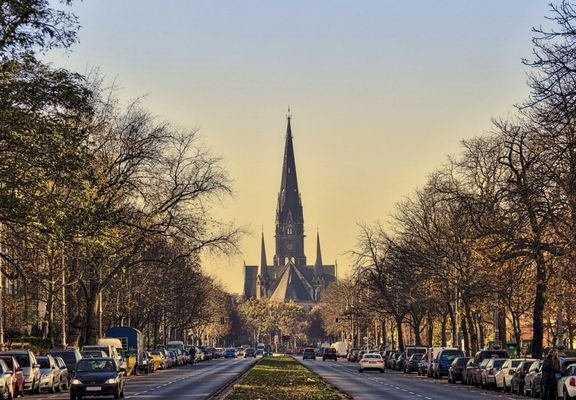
[309,353]
[371,361]
[249,353]
[330,353]
[230,353]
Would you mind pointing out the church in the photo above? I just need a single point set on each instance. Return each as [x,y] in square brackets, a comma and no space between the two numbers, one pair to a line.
[289,277]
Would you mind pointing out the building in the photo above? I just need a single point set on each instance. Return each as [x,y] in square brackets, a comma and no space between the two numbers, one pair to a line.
[289,277]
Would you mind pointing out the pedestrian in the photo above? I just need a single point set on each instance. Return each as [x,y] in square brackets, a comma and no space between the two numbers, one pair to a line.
[550,368]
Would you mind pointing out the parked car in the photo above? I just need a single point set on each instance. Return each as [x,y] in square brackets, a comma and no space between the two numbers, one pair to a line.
[517,381]
[6,385]
[159,359]
[504,375]
[456,369]
[93,354]
[532,379]
[411,364]
[330,353]
[391,362]
[479,371]
[97,377]
[17,375]
[488,378]
[443,360]
[567,383]
[423,365]
[400,361]
[308,354]
[30,369]
[49,374]
[64,379]
[469,372]
[371,361]
[70,357]
[353,355]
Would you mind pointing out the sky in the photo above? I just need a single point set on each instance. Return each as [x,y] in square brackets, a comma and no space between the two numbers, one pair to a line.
[380,92]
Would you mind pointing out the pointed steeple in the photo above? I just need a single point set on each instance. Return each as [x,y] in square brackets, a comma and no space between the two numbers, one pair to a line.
[263,272]
[289,196]
[318,264]
[289,215]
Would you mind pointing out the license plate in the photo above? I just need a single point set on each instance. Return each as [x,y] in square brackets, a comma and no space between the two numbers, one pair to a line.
[93,388]
[372,362]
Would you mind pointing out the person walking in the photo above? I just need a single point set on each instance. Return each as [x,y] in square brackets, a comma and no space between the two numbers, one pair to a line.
[550,368]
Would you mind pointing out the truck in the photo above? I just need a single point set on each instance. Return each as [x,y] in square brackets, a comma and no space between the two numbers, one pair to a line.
[131,343]
[341,349]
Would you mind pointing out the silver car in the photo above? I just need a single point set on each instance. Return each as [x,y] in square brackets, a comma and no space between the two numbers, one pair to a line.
[49,374]
[30,369]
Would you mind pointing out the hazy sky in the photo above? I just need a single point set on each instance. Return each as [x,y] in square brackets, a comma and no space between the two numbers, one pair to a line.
[381,92]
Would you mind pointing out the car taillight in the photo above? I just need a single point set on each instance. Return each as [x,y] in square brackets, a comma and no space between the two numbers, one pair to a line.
[572,381]
[491,371]
[364,361]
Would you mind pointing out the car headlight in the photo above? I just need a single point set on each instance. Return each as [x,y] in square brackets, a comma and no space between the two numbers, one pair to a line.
[76,382]
[111,381]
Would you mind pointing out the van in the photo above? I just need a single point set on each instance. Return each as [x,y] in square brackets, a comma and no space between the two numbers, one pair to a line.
[443,360]
[110,350]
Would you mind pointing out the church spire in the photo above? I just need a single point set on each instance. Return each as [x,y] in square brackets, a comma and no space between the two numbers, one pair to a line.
[318,265]
[263,264]
[289,215]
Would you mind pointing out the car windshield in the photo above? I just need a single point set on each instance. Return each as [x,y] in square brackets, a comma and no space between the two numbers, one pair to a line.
[8,361]
[498,363]
[44,362]
[450,356]
[371,356]
[516,363]
[461,361]
[22,359]
[95,366]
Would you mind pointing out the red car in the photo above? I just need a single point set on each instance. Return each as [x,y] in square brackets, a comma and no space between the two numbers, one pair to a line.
[17,375]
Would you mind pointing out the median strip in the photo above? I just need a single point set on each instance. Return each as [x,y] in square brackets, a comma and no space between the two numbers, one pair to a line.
[282,377]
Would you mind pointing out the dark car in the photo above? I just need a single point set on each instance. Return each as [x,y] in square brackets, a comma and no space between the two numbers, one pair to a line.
[411,364]
[17,375]
[97,377]
[399,364]
[309,353]
[457,369]
[249,353]
[354,355]
[443,361]
[230,353]
[330,354]
[70,357]
[517,385]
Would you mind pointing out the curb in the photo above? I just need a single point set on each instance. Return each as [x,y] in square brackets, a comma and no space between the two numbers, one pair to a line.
[222,392]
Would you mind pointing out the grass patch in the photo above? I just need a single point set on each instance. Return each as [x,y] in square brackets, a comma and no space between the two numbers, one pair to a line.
[282,377]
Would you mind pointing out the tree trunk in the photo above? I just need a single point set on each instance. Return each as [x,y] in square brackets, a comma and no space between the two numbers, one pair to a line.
[443,328]
[91,322]
[539,303]
[473,332]
[399,320]
[430,327]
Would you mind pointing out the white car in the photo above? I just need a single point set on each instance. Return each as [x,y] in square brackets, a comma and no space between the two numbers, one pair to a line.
[567,383]
[504,375]
[371,361]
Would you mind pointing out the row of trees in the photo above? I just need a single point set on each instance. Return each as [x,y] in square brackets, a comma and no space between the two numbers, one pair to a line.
[102,207]
[493,231]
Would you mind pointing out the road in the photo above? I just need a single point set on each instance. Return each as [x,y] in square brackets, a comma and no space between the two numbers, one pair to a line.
[198,381]
[394,385]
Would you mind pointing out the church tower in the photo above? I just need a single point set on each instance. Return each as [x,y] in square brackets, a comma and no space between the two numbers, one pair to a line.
[289,215]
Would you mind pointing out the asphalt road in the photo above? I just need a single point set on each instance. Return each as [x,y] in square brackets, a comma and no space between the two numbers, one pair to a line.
[198,381]
[394,385]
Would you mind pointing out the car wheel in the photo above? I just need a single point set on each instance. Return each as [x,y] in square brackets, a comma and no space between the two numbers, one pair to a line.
[59,388]
[52,388]
[5,393]
[117,393]
[359,370]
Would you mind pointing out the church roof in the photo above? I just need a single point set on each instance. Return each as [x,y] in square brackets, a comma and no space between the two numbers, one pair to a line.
[292,286]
